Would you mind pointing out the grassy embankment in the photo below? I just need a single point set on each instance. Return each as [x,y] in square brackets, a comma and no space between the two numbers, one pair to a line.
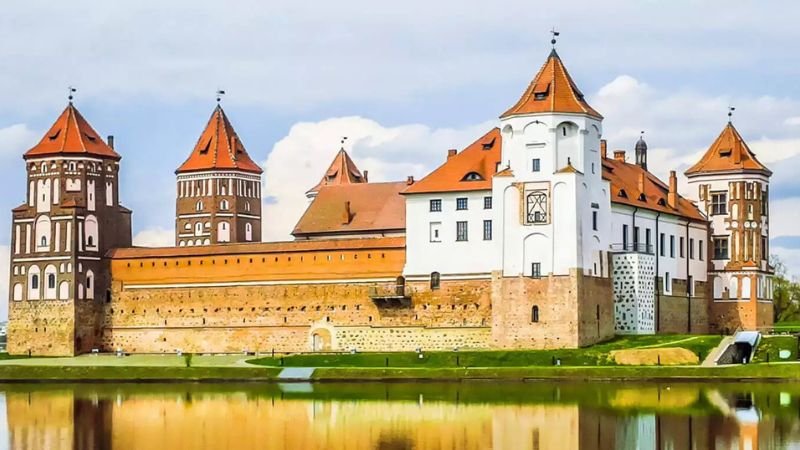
[596,355]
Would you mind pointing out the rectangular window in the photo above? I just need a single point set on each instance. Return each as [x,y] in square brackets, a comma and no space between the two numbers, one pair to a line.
[648,241]
[667,283]
[691,248]
[700,249]
[536,270]
[719,203]
[690,286]
[680,247]
[537,165]
[720,248]
[435,230]
[636,239]
[461,231]
[671,246]
[487,202]
[661,244]
[764,249]
[624,237]
[436,205]
[461,204]
[594,220]
[487,230]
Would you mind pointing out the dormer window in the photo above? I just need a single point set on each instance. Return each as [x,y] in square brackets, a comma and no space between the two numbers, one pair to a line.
[54,136]
[205,149]
[90,137]
[622,193]
[725,152]
[472,176]
[487,145]
[541,91]
[662,202]
[642,197]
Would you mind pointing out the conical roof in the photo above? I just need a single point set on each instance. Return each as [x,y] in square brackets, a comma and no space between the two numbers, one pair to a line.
[219,148]
[71,135]
[341,171]
[728,153]
[552,90]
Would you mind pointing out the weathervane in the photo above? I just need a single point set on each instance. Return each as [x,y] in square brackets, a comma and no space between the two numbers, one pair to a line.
[220,93]
[731,109]
[641,134]
[344,138]
[555,35]
[70,90]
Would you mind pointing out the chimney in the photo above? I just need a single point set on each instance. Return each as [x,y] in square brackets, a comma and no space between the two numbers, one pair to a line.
[410,180]
[603,148]
[619,155]
[366,176]
[672,196]
[641,182]
[110,141]
[452,152]
[347,216]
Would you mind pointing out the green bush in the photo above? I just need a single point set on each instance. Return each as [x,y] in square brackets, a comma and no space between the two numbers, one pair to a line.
[187,358]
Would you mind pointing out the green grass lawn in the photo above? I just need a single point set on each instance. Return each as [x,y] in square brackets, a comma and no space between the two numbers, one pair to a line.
[596,355]
[770,346]
[787,327]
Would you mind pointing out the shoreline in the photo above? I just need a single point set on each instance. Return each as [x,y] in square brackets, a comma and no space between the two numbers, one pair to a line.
[766,372]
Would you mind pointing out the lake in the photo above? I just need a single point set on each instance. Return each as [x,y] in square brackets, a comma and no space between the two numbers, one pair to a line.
[401,416]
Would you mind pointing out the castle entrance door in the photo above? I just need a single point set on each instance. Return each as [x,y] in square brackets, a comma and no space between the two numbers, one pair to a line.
[320,341]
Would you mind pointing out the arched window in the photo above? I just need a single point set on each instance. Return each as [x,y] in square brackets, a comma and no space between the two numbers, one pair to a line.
[435,280]
[187,226]
[535,314]
[198,228]
[223,232]
[63,290]
[247,206]
[43,229]
[89,284]
[18,292]
[90,228]
[50,282]
[33,283]
[224,205]
[199,206]
[248,232]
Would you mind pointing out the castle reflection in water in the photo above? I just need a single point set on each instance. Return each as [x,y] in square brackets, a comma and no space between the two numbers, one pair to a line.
[400,417]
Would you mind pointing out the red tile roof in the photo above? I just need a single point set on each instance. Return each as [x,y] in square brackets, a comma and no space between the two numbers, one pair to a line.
[373,207]
[260,247]
[71,135]
[219,148]
[341,171]
[627,179]
[728,153]
[470,170]
[552,90]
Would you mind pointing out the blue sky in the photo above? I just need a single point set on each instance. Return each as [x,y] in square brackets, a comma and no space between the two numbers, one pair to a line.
[405,80]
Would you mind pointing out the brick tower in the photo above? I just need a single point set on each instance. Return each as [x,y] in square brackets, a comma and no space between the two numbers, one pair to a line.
[219,189]
[732,188]
[60,236]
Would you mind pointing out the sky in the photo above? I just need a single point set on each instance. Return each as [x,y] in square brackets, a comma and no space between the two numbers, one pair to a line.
[404,81]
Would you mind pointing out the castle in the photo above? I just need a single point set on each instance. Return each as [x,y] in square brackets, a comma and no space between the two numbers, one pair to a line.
[531,237]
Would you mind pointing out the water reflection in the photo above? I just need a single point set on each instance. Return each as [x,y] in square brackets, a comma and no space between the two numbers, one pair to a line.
[402,416]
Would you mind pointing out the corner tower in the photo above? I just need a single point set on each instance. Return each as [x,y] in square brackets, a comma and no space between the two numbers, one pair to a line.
[732,188]
[556,217]
[219,189]
[59,272]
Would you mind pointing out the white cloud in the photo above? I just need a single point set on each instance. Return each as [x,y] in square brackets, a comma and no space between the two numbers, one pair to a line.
[792,121]
[4,277]
[15,139]
[155,237]
[295,54]
[298,161]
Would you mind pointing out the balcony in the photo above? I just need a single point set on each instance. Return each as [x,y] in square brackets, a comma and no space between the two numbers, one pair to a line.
[392,296]
[632,248]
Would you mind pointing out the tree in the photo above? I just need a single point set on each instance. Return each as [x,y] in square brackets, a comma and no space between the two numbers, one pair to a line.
[785,293]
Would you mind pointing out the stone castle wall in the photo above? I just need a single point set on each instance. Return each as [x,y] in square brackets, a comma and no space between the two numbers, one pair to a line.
[572,311]
[675,311]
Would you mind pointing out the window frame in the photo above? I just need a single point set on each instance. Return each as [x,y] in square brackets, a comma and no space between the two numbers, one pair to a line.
[435,205]
[718,207]
[487,202]
[487,230]
[462,203]
[462,235]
